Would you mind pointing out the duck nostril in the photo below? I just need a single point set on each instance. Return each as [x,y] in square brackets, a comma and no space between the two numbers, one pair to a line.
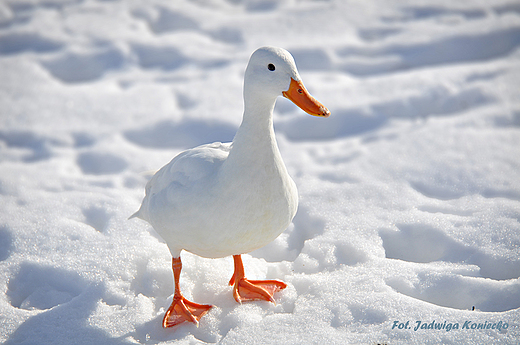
[300,91]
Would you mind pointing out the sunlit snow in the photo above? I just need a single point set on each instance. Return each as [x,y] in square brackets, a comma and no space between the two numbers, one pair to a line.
[409,192]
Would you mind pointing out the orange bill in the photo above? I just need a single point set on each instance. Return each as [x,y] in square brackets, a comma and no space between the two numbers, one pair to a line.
[299,95]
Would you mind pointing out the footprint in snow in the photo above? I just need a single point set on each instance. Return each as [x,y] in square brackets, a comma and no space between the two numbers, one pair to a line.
[37,287]
[15,43]
[100,163]
[78,67]
[97,217]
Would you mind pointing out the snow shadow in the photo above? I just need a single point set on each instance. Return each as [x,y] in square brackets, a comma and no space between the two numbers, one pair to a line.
[423,243]
[425,12]
[362,61]
[162,20]
[377,33]
[434,102]
[97,217]
[65,301]
[37,287]
[343,123]
[507,8]
[6,242]
[76,67]
[152,332]
[169,58]
[65,323]
[306,227]
[356,121]
[164,57]
[15,43]
[36,147]
[460,292]
[184,134]
[313,59]
[303,244]
[100,163]
[290,243]
[169,20]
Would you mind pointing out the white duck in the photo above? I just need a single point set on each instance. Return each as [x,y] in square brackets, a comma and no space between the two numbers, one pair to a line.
[228,199]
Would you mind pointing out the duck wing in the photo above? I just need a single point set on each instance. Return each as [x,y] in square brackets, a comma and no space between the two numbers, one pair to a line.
[188,170]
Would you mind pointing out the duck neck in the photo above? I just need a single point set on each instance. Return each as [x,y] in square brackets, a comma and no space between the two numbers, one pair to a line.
[255,139]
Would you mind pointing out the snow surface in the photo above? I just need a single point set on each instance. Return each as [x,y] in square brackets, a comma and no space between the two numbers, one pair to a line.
[410,191]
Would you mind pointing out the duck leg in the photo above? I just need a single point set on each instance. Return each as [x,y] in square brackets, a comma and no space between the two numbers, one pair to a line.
[181,309]
[250,290]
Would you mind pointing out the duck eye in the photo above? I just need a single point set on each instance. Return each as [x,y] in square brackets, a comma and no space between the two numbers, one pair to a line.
[271,67]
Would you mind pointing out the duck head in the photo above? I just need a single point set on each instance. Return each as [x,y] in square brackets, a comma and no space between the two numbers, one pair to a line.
[272,72]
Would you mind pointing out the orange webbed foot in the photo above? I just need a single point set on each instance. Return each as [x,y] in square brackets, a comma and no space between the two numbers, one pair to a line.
[251,290]
[182,310]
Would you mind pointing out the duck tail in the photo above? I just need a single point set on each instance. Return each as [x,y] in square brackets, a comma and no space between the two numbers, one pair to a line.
[135,215]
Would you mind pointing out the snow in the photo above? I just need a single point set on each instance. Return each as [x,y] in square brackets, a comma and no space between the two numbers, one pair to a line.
[409,192]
